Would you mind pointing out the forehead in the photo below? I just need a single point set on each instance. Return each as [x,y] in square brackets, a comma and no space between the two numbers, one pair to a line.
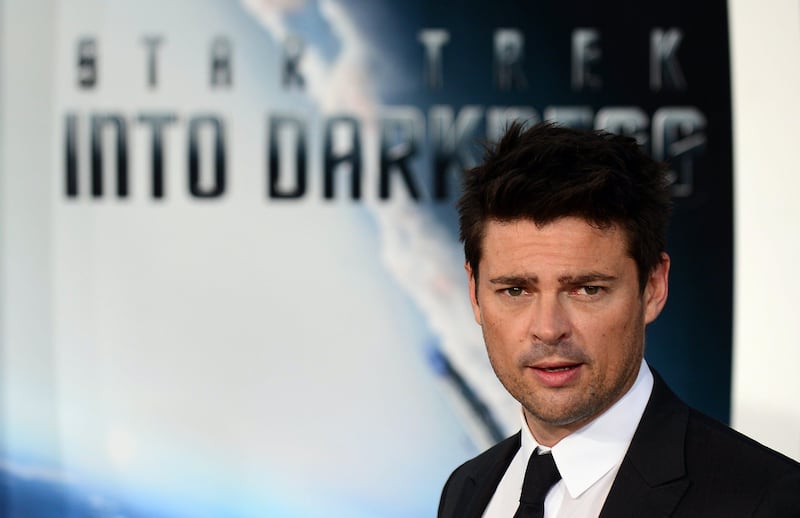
[568,244]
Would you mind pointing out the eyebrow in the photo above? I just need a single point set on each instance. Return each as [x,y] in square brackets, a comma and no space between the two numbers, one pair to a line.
[586,278]
[515,280]
[526,280]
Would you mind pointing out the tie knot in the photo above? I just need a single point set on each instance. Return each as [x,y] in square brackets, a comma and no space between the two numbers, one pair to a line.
[540,476]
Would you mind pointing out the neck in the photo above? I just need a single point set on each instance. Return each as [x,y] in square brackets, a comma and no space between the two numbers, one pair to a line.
[547,434]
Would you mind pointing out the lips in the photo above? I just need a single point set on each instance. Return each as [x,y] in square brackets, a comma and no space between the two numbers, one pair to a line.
[556,374]
[556,369]
[556,365]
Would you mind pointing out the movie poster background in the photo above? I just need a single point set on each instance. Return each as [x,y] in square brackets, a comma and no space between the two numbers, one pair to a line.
[228,341]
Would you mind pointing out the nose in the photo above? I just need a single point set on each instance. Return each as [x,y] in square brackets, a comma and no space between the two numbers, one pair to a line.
[549,323]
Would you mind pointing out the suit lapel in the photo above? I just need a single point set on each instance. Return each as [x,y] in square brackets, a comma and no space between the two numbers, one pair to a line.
[481,484]
[652,478]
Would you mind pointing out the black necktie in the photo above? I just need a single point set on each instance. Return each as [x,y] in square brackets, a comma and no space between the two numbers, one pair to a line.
[540,476]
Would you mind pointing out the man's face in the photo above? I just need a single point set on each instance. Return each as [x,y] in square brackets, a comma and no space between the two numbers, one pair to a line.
[563,317]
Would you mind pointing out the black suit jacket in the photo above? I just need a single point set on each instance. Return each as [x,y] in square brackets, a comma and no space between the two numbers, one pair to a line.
[680,463]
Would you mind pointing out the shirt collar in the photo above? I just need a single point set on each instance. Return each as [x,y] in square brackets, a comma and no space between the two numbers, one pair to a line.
[584,456]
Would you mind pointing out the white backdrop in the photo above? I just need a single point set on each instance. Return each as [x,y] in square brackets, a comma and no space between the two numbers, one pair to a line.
[765,70]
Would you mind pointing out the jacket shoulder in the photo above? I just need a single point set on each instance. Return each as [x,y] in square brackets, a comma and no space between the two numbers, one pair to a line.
[709,440]
[747,476]
[477,472]
[483,462]
[682,463]
[708,437]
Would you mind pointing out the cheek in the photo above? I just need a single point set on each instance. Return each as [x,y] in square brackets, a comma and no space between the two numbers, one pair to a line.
[626,343]
[501,337]
[613,337]
[504,331]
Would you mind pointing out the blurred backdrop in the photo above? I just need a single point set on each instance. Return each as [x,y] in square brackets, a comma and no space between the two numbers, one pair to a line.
[231,279]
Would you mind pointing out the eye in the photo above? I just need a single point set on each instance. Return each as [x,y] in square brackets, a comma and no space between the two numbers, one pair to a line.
[588,290]
[515,291]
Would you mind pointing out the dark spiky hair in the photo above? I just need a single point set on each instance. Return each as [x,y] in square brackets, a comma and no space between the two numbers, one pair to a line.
[546,172]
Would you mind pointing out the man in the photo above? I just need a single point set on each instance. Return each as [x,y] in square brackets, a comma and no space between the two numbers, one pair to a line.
[564,236]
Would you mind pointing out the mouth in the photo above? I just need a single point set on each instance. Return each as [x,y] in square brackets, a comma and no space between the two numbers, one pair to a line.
[556,365]
[557,369]
[556,374]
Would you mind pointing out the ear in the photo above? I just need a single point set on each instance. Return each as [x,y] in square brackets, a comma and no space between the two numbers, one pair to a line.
[656,290]
[473,293]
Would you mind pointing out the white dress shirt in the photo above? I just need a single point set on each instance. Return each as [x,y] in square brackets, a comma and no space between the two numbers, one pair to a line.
[588,459]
